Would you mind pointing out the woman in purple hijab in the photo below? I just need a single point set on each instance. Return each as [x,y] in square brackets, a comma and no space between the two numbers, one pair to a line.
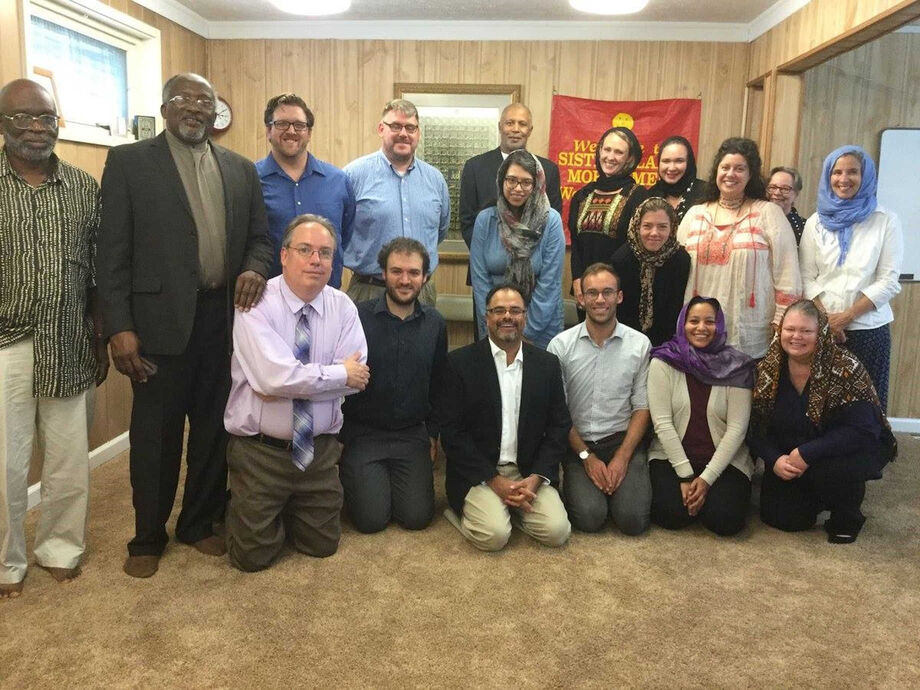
[699,396]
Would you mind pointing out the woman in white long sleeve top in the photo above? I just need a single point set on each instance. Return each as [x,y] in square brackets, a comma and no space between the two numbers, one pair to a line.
[850,257]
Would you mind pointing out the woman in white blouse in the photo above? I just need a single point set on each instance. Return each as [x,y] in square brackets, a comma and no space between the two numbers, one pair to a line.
[850,256]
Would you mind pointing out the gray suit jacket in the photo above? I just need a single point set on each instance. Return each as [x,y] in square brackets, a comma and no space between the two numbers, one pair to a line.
[147,251]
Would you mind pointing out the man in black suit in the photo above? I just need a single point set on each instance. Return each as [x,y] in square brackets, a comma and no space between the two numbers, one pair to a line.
[183,239]
[478,186]
[505,432]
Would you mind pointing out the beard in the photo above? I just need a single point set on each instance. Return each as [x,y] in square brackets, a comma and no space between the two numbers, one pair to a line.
[193,134]
[399,299]
[21,149]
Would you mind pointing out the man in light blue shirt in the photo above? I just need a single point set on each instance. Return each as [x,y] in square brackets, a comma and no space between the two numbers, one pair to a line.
[295,182]
[397,195]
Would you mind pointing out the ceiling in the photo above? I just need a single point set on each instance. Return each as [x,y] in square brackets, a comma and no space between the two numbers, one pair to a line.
[739,11]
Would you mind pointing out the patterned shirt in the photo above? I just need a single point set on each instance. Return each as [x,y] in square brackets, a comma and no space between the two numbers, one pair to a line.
[47,246]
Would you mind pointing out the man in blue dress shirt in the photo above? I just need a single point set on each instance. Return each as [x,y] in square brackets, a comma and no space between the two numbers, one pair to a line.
[397,195]
[294,182]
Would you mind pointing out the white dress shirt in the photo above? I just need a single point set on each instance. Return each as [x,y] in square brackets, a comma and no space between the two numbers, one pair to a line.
[872,266]
[509,382]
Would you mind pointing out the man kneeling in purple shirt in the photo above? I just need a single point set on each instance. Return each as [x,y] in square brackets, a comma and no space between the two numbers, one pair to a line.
[295,355]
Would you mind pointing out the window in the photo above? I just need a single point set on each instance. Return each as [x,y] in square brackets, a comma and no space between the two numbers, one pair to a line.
[102,67]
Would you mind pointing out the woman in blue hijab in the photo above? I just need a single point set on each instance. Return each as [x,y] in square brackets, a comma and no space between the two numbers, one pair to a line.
[850,258]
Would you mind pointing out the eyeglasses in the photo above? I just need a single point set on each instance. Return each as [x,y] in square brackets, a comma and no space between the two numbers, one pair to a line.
[773,188]
[285,125]
[513,182]
[501,311]
[306,251]
[396,127]
[183,101]
[606,293]
[24,120]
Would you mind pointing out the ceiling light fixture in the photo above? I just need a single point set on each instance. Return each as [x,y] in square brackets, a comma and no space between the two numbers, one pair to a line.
[312,8]
[609,6]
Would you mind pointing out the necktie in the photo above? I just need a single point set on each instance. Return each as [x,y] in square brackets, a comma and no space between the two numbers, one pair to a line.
[303,409]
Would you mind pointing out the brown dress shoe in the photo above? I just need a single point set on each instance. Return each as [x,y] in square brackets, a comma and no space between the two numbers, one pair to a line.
[211,546]
[141,566]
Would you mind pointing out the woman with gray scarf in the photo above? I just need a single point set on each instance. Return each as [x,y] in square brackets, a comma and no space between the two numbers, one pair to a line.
[520,241]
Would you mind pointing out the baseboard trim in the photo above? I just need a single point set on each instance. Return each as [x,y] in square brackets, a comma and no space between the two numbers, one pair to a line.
[97,456]
[906,425]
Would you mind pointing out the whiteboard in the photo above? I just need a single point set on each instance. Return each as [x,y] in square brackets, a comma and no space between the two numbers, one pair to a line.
[899,190]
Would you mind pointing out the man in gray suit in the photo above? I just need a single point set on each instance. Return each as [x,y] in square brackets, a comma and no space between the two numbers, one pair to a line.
[183,239]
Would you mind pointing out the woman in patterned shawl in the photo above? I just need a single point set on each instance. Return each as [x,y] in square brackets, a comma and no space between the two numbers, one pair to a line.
[817,424]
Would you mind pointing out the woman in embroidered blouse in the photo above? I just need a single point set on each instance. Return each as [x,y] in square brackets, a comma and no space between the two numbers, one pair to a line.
[699,396]
[677,182]
[851,254]
[742,250]
[520,241]
[653,270]
[817,424]
[600,212]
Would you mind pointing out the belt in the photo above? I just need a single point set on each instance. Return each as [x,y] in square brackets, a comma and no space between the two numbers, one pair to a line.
[267,440]
[369,280]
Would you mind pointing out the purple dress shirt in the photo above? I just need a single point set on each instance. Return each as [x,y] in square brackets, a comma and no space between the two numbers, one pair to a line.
[263,362]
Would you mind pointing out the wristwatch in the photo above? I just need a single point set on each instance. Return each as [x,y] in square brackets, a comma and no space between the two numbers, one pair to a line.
[583,455]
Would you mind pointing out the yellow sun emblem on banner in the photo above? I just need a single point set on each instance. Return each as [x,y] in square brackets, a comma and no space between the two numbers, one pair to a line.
[622,120]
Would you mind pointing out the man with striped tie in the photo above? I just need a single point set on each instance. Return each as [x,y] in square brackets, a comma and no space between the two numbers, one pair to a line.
[296,354]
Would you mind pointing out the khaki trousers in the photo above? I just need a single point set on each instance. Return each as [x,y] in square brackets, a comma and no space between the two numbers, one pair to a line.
[59,426]
[271,500]
[486,521]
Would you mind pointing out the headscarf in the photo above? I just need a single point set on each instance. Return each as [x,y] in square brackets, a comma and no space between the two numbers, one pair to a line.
[717,364]
[521,236]
[837,377]
[839,215]
[624,179]
[684,184]
[649,262]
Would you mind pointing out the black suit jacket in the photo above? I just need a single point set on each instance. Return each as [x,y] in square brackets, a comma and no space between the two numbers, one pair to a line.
[478,189]
[147,251]
[472,428]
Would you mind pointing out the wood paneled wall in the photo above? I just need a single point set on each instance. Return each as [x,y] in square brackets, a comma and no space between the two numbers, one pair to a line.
[824,26]
[849,100]
[181,51]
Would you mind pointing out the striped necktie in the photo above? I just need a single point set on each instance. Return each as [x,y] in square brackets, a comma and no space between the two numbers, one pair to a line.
[303,409]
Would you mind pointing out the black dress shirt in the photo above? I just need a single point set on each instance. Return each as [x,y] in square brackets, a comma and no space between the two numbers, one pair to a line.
[408,363]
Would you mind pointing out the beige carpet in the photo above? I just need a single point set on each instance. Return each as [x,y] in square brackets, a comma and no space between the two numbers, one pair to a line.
[401,609]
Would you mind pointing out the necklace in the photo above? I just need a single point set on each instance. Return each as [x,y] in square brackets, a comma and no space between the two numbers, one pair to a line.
[731,204]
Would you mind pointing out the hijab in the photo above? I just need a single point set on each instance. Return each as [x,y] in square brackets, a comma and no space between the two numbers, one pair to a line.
[624,179]
[682,187]
[837,377]
[649,262]
[520,236]
[717,364]
[839,215]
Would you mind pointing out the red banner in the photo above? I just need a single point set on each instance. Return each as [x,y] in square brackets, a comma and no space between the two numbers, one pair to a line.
[577,123]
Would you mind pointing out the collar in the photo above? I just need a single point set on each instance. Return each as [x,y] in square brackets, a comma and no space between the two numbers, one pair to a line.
[54,176]
[295,304]
[618,331]
[496,350]
[380,307]
[176,142]
[386,161]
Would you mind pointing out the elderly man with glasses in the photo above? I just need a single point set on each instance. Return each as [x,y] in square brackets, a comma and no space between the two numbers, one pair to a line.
[295,182]
[50,360]
[397,195]
[182,241]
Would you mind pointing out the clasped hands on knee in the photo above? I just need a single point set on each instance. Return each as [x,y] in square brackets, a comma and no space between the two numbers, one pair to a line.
[516,494]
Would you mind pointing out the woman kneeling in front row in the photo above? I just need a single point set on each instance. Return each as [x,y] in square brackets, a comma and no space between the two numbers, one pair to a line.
[699,395]
[817,424]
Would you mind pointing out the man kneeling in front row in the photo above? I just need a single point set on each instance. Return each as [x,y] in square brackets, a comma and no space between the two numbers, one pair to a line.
[504,433]
[295,355]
